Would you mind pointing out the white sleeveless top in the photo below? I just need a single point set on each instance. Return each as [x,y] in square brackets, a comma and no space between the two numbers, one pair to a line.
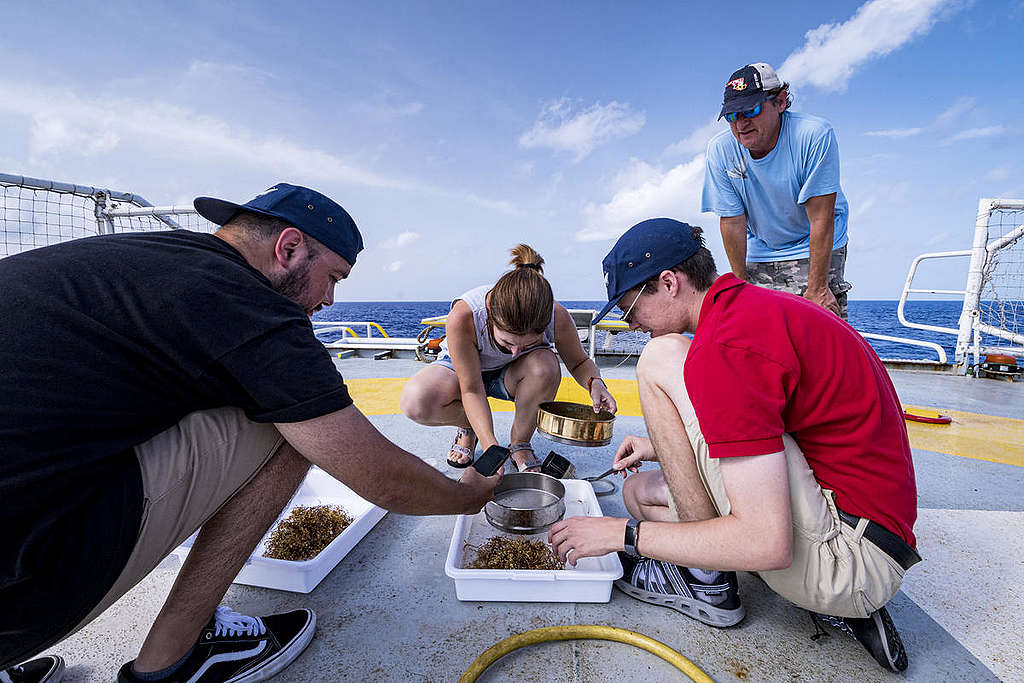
[491,358]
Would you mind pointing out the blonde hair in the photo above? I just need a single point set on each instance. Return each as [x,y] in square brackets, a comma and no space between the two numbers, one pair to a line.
[521,301]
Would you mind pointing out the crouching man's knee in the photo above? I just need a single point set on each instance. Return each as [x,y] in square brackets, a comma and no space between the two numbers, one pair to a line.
[662,356]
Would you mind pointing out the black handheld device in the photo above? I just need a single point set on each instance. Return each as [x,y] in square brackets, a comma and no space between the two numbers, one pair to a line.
[493,458]
[556,466]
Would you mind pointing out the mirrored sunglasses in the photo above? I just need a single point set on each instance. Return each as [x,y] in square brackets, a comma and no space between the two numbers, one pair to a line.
[732,117]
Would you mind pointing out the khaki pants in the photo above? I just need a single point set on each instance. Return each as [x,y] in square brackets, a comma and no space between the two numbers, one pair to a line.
[835,570]
[188,472]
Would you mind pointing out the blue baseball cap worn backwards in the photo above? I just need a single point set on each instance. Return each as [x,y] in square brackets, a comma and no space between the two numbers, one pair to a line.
[305,209]
[643,252]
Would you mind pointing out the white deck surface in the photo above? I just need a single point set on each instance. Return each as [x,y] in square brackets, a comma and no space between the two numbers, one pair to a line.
[389,613]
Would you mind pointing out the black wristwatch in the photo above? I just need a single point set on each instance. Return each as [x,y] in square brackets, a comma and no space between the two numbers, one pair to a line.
[630,538]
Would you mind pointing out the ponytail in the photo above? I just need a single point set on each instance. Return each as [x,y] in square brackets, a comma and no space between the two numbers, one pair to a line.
[521,301]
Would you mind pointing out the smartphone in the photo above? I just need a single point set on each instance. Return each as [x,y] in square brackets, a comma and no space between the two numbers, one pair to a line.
[493,458]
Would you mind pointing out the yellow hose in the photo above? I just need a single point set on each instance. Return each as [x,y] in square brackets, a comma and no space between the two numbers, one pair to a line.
[582,632]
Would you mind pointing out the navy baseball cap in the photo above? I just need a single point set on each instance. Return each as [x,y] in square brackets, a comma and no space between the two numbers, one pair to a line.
[642,252]
[748,87]
[306,209]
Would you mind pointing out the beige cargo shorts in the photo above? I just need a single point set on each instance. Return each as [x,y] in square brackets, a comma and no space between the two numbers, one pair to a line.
[188,472]
[791,276]
[835,570]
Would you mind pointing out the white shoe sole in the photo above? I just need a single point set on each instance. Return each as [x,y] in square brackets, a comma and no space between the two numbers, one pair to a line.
[695,609]
[286,655]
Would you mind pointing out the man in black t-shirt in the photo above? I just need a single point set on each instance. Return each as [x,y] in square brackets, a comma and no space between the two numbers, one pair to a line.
[154,383]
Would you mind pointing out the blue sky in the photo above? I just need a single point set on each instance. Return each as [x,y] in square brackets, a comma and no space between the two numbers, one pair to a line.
[452,131]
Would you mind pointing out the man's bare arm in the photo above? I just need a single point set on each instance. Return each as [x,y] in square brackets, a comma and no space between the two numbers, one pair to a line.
[734,236]
[756,535]
[821,214]
[350,449]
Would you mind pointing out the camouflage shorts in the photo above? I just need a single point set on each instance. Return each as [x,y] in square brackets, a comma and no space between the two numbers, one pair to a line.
[791,276]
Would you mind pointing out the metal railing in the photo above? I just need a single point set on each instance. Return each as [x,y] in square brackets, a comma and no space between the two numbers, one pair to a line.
[582,318]
[321,328]
[993,298]
[36,213]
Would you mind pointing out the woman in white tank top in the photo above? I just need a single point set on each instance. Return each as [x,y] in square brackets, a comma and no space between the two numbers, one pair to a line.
[500,342]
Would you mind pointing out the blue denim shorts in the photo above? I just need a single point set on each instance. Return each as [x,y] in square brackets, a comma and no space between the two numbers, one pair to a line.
[494,380]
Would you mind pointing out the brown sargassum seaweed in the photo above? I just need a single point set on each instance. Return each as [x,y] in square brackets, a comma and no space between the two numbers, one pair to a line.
[306,531]
[500,552]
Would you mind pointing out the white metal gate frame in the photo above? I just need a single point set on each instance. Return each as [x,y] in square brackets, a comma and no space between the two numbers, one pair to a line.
[970,326]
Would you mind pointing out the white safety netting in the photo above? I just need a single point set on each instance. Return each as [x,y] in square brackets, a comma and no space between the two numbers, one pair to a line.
[40,213]
[1002,292]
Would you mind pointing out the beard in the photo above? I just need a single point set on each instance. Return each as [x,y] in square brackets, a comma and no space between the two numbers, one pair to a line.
[294,284]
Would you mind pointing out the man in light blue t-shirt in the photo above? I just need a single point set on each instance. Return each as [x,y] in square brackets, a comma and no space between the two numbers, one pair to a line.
[773,179]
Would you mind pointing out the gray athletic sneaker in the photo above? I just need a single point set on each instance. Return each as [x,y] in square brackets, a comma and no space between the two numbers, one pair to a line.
[669,585]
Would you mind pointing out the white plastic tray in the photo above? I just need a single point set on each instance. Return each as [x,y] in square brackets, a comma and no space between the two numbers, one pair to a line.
[589,581]
[319,488]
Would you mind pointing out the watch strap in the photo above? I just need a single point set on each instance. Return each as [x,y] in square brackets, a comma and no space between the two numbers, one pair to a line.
[629,538]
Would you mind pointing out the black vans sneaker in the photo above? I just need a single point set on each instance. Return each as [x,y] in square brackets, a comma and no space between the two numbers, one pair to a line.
[669,585]
[233,648]
[48,669]
[877,634]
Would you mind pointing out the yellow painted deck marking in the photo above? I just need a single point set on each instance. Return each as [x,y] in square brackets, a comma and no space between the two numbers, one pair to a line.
[971,435]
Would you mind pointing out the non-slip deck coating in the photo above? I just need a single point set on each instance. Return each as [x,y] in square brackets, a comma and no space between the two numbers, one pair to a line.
[388,612]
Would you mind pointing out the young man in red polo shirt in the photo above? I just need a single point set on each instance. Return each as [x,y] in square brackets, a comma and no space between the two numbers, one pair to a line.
[781,445]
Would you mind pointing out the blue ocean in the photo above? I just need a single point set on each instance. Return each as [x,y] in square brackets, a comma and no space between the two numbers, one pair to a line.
[402,319]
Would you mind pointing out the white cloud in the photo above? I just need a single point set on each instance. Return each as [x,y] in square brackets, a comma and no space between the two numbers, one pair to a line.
[407,109]
[833,52]
[897,132]
[697,141]
[403,239]
[646,192]
[523,169]
[972,133]
[960,107]
[559,128]
[393,267]
[52,133]
[999,173]
[221,72]
[880,197]
[637,173]
[63,122]
[501,205]
[387,105]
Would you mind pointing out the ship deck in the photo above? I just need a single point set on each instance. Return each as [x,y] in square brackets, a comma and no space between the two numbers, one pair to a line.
[388,612]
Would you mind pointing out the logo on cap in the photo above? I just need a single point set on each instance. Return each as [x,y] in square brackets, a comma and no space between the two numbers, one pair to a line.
[737,84]
[606,278]
[267,191]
